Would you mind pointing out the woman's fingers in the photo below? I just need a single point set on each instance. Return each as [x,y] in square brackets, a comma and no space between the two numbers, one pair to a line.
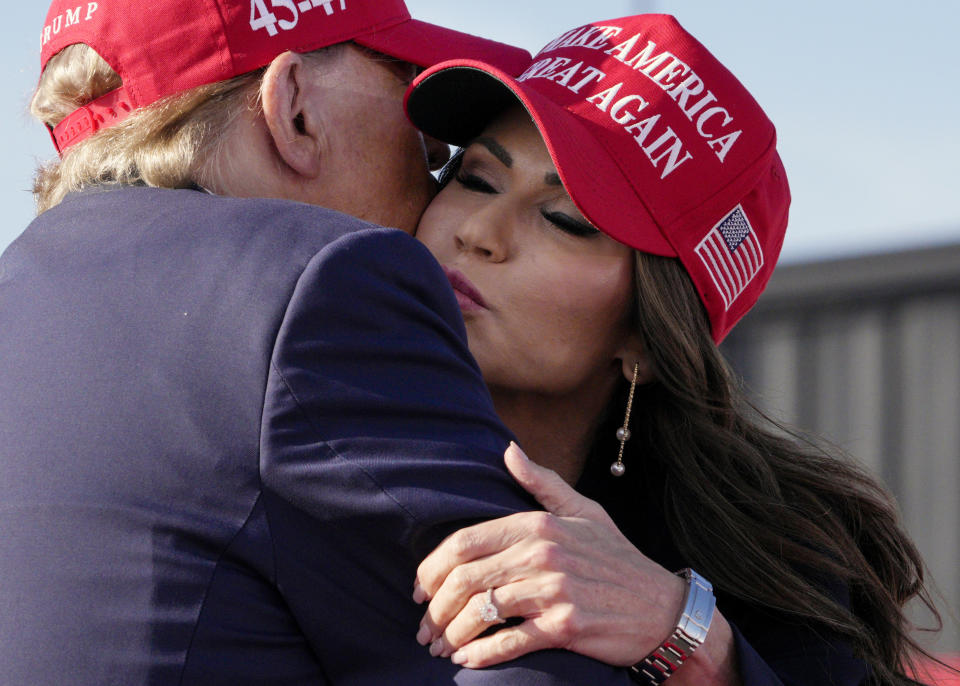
[454,596]
[473,543]
[543,484]
[521,599]
[550,490]
[506,644]
[530,559]
[460,589]
[488,538]
[570,575]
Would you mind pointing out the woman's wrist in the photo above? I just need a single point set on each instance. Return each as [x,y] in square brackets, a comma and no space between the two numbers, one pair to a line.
[690,632]
[715,662]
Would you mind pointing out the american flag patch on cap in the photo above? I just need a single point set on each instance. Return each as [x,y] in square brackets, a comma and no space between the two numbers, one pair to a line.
[732,255]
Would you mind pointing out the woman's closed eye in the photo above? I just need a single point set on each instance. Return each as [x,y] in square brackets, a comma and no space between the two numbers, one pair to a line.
[473,182]
[568,224]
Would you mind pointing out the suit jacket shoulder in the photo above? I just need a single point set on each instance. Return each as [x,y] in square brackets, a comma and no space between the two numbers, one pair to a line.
[228,429]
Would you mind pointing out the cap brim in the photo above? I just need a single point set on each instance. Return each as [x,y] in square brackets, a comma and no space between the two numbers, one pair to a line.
[426,44]
[456,100]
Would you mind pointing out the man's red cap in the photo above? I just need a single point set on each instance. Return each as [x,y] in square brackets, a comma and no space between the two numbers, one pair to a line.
[658,144]
[163,47]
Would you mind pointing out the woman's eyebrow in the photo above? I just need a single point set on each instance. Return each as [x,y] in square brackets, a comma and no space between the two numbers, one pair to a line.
[552,179]
[495,149]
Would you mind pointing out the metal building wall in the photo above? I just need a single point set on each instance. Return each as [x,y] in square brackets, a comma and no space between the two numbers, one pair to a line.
[866,353]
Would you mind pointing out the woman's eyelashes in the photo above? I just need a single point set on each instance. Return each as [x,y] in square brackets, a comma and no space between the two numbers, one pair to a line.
[473,182]
[569,224]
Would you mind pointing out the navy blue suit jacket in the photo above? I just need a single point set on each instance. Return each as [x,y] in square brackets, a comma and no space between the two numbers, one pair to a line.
[230,429]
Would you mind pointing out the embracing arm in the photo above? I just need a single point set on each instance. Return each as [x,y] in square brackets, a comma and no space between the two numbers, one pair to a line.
[579,584]
[378,440]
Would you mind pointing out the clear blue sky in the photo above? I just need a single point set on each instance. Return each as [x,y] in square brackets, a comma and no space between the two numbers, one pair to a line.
[863,94]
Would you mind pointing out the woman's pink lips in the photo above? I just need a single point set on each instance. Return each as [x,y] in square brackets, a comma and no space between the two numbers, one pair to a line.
[468,296]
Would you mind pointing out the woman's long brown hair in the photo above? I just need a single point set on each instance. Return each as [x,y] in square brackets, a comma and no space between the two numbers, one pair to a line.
[757,509]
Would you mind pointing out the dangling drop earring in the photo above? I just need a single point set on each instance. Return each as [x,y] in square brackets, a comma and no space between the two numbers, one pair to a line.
[623,433]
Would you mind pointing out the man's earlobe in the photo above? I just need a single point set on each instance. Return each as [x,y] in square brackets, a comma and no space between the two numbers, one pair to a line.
[292,125]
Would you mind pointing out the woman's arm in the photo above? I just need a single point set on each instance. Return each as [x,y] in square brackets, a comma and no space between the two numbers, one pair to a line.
[576,581]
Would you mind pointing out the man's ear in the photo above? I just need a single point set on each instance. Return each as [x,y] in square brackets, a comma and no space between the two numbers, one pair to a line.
[293,124]
[634,356]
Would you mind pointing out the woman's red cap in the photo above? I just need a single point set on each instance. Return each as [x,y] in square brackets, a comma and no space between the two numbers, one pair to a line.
[658,144]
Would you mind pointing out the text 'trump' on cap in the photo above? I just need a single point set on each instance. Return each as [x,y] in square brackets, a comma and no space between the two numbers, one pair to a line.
[163,47]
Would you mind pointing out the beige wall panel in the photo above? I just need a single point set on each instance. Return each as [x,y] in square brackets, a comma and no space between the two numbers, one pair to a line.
[929,476]
[773,380]
[859,383]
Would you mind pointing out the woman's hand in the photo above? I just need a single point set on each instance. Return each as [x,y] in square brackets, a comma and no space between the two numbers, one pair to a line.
[569,573]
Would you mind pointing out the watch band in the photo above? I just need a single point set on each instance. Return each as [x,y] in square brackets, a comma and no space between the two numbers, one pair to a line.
[690,633]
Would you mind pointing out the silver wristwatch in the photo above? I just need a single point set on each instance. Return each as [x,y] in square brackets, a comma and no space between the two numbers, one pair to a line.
[691,632]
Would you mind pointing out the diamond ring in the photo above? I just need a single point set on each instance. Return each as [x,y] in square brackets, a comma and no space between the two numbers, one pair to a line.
[489,613]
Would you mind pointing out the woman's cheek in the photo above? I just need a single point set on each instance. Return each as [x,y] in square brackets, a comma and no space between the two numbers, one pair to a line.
[431,236]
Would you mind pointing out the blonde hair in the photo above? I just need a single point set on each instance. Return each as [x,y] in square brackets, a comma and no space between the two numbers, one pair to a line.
[168,144]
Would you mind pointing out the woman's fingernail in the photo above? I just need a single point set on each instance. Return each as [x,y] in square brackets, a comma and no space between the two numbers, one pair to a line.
[459,657]
[518,450]
[423,636]
[419,595]
[436,647]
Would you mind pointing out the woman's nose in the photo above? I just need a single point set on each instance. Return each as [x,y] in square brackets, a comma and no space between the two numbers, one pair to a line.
[486,232]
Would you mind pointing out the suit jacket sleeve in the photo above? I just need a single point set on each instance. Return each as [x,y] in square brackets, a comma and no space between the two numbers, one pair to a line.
[378,439]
